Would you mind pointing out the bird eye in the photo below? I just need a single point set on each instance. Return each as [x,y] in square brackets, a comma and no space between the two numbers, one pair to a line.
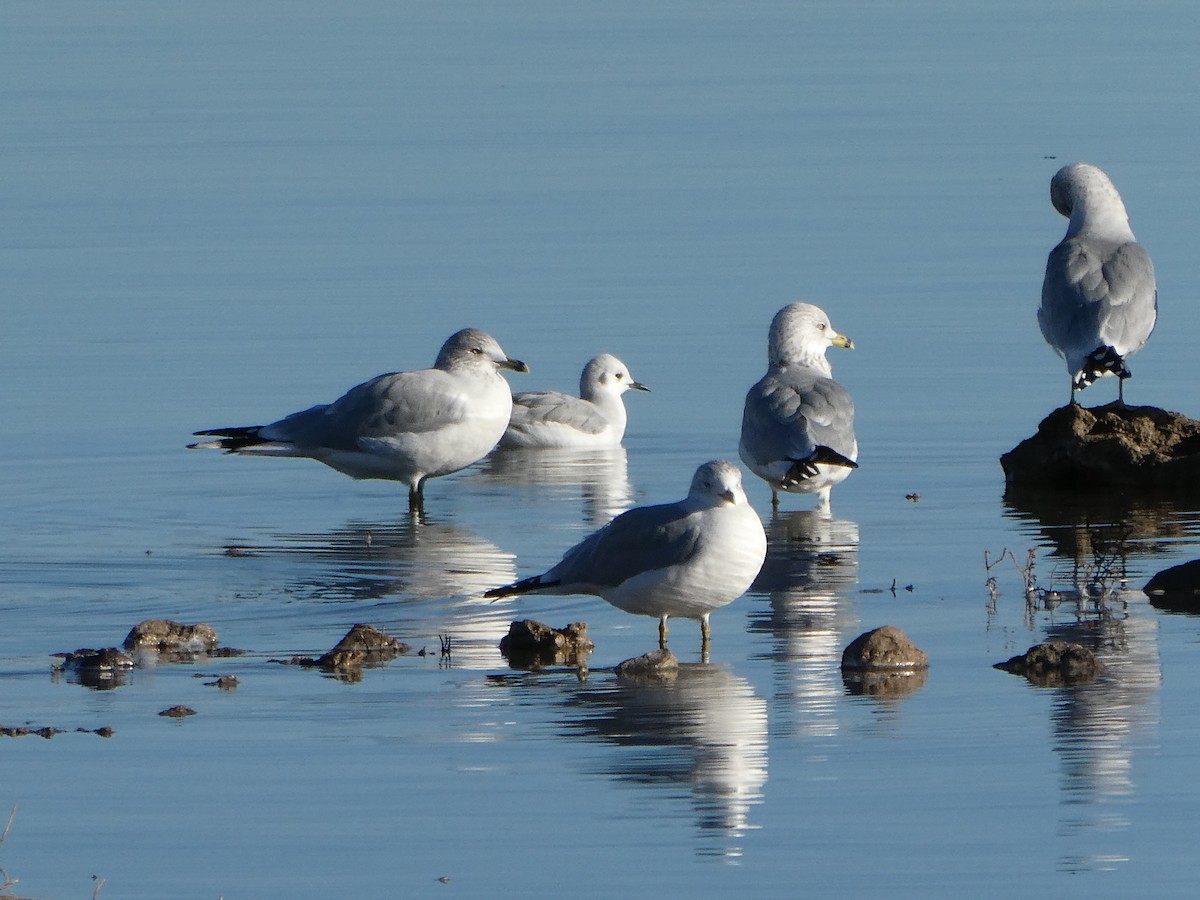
[821,326]
[619,376]
[477,350]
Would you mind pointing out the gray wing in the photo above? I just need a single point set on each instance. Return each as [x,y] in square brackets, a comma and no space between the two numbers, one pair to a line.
[397,403]
[638,540]
[537,407]
[791,412]
[1098,293]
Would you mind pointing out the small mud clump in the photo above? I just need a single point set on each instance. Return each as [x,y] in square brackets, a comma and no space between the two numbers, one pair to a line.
[178,712]
[530,644]
[657,666]
[1055,664]
[363,645]
[1108,446]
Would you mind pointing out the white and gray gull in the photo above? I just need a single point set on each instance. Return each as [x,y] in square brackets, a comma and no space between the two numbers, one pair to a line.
[403,426]
[594,419]
[1099,300]
[676,559]
[798,423]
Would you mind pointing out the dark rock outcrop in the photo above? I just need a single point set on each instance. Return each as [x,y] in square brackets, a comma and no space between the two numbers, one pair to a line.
[167,637]
[363,645]
[1176,589]
[530,644]
[1055,664]
[1108,446]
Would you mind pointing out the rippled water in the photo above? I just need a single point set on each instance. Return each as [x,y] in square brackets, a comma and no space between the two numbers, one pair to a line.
[217,214]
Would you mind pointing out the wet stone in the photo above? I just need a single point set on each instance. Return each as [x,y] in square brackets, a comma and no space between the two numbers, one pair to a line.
[363,645]
[103,669]
[1081,449]
[656,666]
[178,712]
[883,648]
[1055,664]
[171,639]
[530,644]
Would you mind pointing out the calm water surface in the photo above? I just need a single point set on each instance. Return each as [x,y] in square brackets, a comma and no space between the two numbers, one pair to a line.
[219,213]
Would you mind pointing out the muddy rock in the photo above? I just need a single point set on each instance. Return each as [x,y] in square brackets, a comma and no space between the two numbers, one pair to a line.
[658,666]
[178,712]
[1176,589]
[363,645]
[1055,664]
[530,644]
[886,648]
[166,636]
[1077,448]
[106,668]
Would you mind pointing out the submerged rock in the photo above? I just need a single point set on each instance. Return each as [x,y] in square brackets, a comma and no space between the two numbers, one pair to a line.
[363,645]
[657,666]
[530,644]
[1176,589]
[167,637]
[886,648]
[103,669]
[178,712]
[1055,664]
[1077,448]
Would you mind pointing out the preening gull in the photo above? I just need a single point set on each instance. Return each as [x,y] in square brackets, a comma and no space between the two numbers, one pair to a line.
[677,559]
[403,426]
[1099,301]
[596,418]
[798,423]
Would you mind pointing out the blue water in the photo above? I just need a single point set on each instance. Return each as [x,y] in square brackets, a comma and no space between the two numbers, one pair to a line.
[216,214]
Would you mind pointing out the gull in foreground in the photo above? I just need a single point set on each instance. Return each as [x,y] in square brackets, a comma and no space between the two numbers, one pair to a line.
[677,559]
[798,423]
[596,418]
[404,426]
[1099,301]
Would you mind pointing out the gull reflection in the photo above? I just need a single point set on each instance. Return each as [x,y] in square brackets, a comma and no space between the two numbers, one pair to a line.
[426,577]
[600,476]
[808,579]
[1097,541]
[1099,726]
[705,729]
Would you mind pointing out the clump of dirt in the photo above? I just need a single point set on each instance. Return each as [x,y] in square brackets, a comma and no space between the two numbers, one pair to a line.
[1077,448]
[1055,664]
[363,645]
[530,644]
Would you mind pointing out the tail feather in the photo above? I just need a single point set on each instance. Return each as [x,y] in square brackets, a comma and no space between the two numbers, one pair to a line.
[807,468]
[231,439]
[519,587]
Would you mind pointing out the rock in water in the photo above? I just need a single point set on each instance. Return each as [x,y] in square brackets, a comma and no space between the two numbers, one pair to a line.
[1055,664]
[1108,446]
[884,648]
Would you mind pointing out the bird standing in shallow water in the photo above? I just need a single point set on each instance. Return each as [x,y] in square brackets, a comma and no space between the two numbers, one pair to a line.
[404,426]
[1099,300]
[678,559]
[594,419]
[798,423]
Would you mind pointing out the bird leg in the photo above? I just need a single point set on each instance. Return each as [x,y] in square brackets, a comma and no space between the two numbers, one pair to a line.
[662,633]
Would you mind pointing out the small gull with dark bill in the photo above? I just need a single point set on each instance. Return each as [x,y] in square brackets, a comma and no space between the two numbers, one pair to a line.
[403,426]
[594,419]
[1099,300]
[798,423]
[686,558]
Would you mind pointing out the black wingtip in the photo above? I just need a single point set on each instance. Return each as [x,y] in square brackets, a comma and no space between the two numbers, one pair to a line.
[1100,362]
[523,586]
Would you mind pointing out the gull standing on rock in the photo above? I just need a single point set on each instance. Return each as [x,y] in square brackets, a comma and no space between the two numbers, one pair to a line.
[798,423]
[678,559]
[404,426]
[1099,301]
[594,419]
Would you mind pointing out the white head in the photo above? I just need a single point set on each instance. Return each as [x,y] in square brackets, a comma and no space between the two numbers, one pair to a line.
[718,482]
[472,348]
[606,375]
[1086,195]
[800,335]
